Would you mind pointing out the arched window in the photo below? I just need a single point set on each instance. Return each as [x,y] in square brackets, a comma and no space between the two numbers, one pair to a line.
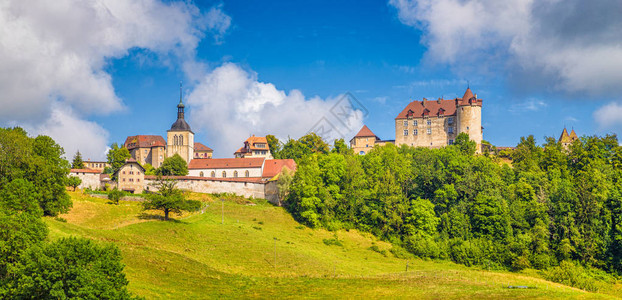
[181,139]
[246,173]
[201,174]
[235,173]
[224,174]
[175,140]
[213,174]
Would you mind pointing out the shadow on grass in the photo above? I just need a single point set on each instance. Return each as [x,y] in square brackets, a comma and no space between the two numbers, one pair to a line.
[149,216]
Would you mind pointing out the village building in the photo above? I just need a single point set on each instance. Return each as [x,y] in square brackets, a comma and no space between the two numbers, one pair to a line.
[202,151]
[254,146]
[365,140]
[437,123]
[147,149]
[96,165]
[567,139]
[131,177]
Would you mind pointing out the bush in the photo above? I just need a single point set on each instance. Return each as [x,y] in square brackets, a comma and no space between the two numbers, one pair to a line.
[572,274]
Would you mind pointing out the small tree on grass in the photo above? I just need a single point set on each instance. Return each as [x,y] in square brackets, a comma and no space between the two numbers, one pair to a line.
[74,182]
[169,199]
[115,195]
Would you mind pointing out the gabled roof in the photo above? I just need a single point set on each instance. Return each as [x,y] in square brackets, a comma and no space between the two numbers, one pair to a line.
[365,132]
[144,141]
[565,137]
[273,167]
[225,163]
[201,147]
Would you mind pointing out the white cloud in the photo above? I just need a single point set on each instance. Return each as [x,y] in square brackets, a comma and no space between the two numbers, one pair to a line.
[568,46]
[73,133]
[54,54]
[609,116]
[218,22]
[230,104]
[529,105]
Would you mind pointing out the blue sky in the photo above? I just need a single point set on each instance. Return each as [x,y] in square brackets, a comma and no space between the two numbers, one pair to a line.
[277,67]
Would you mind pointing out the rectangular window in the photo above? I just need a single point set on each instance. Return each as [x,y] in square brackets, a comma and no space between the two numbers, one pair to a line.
[415,123]
[429,122]
[405,123]
[405,132]
[429,130]
[450,130]
[451,142]
[415,132]
[450,120]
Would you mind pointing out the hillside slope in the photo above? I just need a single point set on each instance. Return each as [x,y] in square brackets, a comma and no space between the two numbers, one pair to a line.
[260,251]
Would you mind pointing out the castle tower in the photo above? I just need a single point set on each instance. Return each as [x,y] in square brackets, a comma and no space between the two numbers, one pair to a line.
[469,115]
[180,139]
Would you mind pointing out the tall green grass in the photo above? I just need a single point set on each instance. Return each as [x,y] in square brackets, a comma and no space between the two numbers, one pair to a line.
[259,251]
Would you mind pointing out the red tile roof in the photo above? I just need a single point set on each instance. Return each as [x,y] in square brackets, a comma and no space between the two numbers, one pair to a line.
[365,132]
[418,109]
[144,141]
[225,163]
[443,107]
[273,167]
[85,171]
[201,147]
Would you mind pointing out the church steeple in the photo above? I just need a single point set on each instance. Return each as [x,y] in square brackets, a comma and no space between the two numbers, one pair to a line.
[180,124]
[180,106]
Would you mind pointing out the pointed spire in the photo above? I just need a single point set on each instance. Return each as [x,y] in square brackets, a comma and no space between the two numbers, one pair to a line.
[565,137]
[181,104]
[467,96]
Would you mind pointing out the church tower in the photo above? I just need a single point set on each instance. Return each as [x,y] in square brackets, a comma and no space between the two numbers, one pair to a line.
[180,139]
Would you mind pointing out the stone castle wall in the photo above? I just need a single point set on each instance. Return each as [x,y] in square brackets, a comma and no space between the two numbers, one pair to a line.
[89,180]
[257,189]
[437,136]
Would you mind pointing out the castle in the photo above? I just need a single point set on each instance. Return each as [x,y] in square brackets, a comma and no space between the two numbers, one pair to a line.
[430,123]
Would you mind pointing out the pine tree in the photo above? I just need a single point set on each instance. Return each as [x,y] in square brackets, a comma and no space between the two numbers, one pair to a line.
[77,161]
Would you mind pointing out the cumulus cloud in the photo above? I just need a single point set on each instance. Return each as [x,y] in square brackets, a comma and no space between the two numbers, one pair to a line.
[609,116]
[230,104]
[54,54]
[568,46]
[73,133]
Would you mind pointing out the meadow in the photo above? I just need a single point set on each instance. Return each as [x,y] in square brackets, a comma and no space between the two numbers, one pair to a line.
[248,248]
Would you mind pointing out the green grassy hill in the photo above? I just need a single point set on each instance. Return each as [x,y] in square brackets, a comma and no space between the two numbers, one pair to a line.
[197,256]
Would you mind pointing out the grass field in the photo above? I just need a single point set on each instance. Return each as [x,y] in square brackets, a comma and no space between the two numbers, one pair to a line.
[261,252]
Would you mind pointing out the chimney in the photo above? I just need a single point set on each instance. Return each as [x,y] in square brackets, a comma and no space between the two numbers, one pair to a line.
[424,101]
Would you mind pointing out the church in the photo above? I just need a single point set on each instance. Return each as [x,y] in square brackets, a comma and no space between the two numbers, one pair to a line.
[152,149]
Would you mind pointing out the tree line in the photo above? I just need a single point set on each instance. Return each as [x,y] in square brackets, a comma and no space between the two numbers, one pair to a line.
[550,207]
[33,175]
